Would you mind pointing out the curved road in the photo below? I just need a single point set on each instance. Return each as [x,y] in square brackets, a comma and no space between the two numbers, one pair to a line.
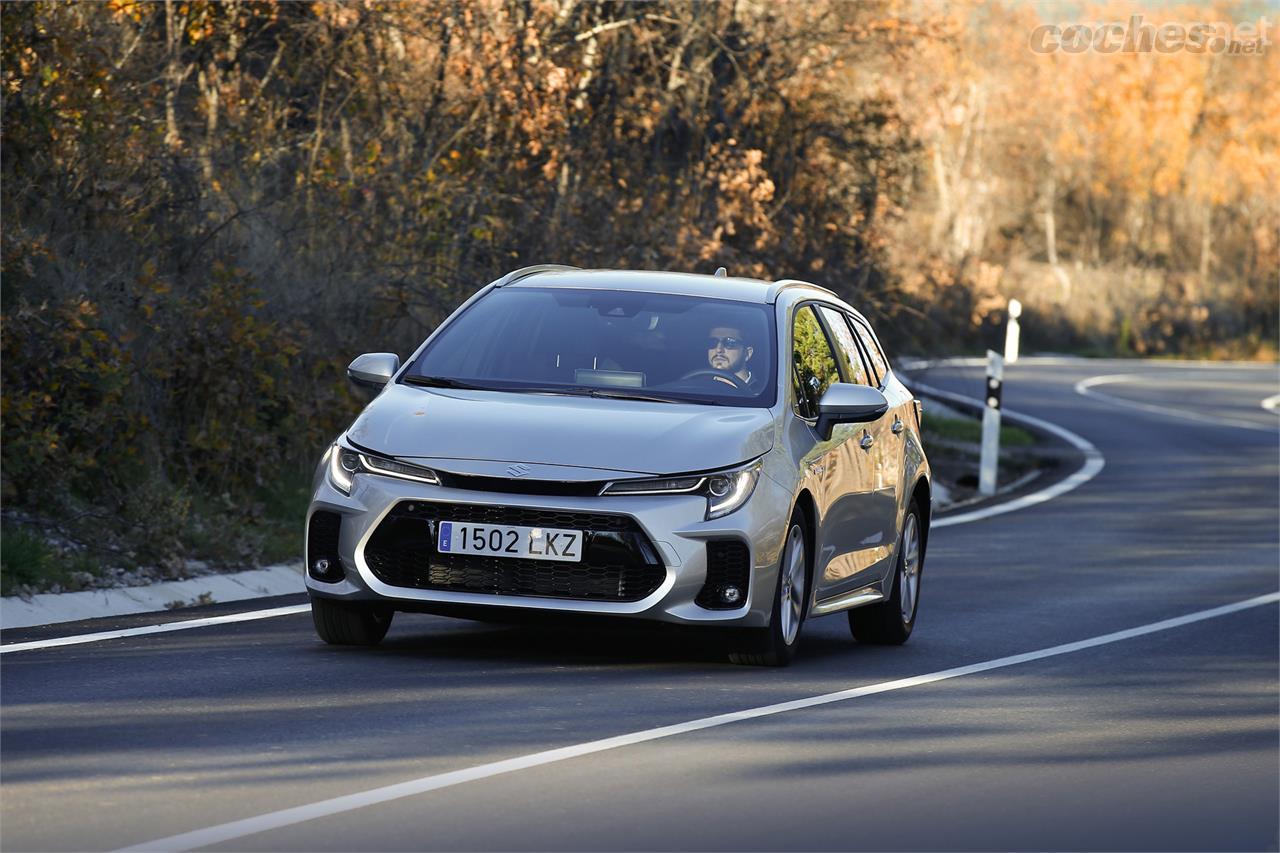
[1165,738]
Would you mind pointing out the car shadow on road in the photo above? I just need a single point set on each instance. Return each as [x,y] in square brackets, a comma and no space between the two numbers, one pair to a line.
[558,645]
[595,642]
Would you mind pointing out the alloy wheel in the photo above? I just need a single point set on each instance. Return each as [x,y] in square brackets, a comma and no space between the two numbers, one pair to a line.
[910,579]
[791,607]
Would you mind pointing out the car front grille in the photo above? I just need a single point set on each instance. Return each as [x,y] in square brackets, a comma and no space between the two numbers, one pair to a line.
[619,562]
[728,564]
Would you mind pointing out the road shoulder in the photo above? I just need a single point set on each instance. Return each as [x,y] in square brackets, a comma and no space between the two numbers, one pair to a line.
[178,597]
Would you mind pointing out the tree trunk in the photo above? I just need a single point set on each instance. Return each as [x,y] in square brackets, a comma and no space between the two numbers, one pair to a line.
[209,91]
[316,141]
[348,158]
[174,74]
[1206,244]
[942,217]
[1050,224]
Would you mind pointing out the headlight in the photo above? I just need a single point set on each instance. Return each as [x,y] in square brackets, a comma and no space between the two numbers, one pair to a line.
[730,490]
[345,463]
[725,491]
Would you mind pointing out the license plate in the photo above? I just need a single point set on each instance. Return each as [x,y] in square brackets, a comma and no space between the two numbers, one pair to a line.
[501,540]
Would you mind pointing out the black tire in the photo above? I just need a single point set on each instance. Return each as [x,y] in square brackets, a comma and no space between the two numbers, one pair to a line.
[341,623]
[776,645]
[888,623]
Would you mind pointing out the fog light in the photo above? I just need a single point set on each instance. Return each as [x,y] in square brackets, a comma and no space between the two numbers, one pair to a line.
[730,594]
[320,567]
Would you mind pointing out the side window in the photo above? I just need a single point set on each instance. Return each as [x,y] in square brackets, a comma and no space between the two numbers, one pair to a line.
[879,363]
[847,350]
[813,367]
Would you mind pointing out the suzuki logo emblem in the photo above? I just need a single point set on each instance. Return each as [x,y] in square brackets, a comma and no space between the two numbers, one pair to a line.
[518,470]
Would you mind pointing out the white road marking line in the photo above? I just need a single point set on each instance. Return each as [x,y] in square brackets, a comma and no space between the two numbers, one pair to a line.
[1271,403]
[912,364]
[1085,388]
[350,802]
[155,629]
[1093,462]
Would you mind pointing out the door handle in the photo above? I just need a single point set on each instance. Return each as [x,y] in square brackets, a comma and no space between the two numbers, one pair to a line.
[866,441]
[898,426]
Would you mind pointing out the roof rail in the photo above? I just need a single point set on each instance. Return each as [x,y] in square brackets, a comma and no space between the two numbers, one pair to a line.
[524,272]
[783,283]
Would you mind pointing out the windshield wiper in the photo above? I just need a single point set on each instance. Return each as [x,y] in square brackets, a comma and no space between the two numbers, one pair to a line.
[611,394]
[567,390]
[591,391]
[445,382]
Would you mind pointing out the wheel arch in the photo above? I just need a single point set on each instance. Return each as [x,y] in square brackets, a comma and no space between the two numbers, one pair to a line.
[922,494]
[807,507]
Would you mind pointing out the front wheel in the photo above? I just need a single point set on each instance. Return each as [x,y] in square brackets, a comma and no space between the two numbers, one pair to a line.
[890,622]
[776,645]
[341,623]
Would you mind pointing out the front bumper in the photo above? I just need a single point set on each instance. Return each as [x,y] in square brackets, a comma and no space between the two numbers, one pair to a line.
[673,525]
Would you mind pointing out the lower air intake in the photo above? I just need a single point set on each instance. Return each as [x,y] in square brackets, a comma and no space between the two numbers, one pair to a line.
[728,568]
[323,562]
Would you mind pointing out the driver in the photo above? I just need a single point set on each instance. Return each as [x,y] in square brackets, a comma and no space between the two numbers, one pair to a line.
[727,350]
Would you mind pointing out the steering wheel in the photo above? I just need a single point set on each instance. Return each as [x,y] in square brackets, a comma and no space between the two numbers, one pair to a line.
[714,373]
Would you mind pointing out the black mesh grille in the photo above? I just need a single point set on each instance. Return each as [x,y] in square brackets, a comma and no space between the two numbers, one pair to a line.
[322,545]
[516,486]
[619,562]
[728,564]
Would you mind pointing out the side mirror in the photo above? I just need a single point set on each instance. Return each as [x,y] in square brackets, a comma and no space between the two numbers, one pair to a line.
[374,369]
[849,404]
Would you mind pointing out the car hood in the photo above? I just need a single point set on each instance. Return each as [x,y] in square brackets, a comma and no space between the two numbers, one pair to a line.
[628,436]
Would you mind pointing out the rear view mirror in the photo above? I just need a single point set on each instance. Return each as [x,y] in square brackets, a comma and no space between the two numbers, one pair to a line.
[374,369]
[845,403]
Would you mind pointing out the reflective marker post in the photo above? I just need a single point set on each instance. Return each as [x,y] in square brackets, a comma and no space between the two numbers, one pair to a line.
[991,425]
[1011,331]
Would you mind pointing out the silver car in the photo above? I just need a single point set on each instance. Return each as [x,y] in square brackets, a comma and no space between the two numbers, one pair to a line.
[693,449]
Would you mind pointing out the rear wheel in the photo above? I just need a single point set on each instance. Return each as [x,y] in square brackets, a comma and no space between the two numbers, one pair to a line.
[341,623]
[776,645]
[890,622]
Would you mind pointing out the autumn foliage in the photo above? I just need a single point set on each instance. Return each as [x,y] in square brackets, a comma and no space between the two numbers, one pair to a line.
[209,208]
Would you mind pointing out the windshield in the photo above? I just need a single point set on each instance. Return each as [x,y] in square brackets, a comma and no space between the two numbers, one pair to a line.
[607,343]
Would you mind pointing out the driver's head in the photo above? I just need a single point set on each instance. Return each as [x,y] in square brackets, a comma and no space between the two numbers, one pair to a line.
[727,349]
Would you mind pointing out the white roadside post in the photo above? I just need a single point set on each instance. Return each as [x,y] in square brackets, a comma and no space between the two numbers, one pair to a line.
[990,459]
[1011,331]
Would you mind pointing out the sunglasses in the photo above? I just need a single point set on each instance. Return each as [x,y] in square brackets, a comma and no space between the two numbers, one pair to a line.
[727,343]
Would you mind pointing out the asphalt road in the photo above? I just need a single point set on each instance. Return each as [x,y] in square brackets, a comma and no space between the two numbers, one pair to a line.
[1165,740]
